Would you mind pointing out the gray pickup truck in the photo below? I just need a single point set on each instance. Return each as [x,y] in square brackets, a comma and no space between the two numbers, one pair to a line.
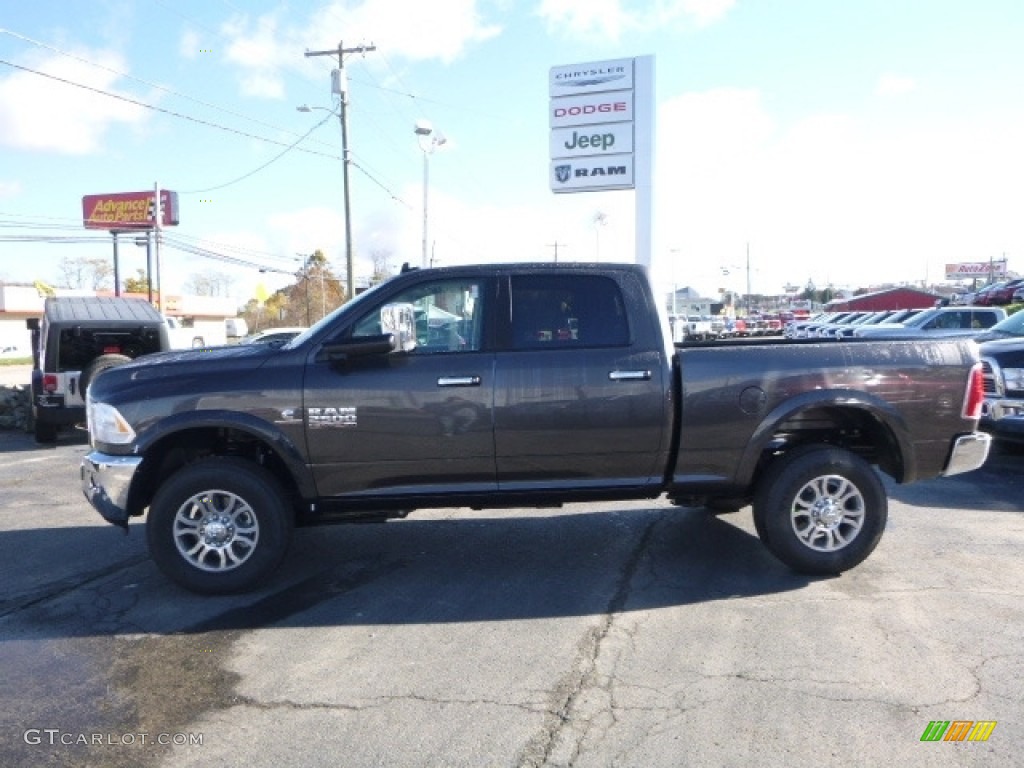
[512,386]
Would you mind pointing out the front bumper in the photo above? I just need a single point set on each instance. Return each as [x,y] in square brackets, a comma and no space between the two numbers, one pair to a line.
[969,453]
[1003,418]
[106,481]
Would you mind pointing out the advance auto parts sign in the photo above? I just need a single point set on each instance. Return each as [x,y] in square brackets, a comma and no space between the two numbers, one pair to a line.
[591,118]
[129,210]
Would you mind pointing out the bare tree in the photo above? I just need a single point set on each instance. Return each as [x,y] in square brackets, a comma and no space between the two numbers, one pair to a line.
[208,284]
[81,272]
[381,265]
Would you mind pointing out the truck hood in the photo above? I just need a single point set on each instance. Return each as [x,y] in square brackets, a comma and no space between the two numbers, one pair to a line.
[224,364]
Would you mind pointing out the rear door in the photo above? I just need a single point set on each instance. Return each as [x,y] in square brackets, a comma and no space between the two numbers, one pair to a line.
[580,390]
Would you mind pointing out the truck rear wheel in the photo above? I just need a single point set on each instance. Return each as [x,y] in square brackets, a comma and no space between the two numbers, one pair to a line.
[219,526]
[821,509]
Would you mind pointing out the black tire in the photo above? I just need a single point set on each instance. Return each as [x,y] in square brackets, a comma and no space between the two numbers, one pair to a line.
[98,366]
[219,526]
[820,509]
[45,433]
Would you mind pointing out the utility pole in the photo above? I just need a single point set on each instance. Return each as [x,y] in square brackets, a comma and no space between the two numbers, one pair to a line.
[555,246]
[339,85]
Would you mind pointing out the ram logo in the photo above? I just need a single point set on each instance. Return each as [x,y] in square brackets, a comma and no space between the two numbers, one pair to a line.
[331,417]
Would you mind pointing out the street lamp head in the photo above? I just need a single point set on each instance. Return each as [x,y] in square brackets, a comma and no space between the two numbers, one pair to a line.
[423,128]
[304,108]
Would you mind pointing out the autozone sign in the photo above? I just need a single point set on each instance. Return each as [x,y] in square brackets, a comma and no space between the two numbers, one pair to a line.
[969,270]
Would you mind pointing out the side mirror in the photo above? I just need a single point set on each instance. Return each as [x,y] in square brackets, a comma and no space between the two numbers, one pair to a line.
[399,321]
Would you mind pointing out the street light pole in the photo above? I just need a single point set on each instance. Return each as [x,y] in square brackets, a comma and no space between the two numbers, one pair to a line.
[429,141]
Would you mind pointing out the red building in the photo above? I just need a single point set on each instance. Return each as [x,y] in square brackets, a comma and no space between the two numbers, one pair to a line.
[891,298]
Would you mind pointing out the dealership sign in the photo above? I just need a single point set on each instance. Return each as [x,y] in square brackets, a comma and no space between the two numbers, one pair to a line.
[591,114]
[615,138]
[971,270]
[129,210]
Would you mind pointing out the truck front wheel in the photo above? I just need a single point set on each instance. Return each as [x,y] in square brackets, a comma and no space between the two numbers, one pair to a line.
[820,509]
[219,526]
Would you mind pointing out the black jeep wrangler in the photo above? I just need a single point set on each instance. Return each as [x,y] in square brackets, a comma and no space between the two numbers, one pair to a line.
[77,338]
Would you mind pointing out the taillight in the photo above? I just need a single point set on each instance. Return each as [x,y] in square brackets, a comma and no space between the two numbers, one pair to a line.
[975,395]
[49,383]
[111,349]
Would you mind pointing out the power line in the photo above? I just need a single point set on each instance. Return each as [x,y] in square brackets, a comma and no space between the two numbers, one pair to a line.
[272,160]
[170,112]
[141,81]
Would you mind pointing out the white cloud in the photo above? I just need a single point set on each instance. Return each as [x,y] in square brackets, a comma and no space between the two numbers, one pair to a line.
[267,46]
[606,18]
[42,113]
[414,31]
[188,45]
[9,189]
[609,19]
[705,12]
[894,85]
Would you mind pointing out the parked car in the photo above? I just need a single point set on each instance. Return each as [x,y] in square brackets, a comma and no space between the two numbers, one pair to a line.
[939,321]
[1010,328]
[273,336]
[1002,413]
[1000,294]
[892,316]
[76,339]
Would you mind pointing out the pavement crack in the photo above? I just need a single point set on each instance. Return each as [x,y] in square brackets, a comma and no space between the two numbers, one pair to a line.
[559,740]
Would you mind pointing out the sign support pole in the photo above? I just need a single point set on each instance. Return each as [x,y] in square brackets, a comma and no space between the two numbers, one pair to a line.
[643,157]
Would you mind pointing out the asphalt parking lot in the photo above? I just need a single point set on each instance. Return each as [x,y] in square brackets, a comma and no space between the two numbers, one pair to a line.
[631,634]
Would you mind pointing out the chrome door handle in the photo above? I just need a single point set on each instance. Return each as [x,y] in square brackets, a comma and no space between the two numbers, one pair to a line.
[630,375]
[458,381]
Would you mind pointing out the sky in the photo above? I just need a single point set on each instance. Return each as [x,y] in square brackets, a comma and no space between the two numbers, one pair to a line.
[840,143]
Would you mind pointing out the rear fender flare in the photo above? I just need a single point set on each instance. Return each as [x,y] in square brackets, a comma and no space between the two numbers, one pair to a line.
[880,411]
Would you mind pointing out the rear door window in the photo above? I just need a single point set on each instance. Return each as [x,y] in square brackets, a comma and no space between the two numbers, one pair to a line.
[567,311]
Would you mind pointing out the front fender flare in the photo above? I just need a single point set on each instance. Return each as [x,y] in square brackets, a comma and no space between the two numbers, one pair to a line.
[266,432]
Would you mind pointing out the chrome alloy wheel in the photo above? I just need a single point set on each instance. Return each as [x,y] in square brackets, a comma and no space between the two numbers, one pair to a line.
[216,531]
[828,513]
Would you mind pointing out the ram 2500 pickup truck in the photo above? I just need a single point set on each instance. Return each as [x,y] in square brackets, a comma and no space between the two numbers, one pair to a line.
[511,386]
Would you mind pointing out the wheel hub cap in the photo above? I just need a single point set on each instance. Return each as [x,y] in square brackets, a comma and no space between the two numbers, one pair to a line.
[216,531]
[828,513]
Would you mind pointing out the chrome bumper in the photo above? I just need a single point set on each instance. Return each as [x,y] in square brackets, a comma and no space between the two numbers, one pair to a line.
[106,481]
[969,453]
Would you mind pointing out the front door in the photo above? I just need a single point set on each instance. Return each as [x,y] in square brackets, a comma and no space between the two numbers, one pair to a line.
[408,422]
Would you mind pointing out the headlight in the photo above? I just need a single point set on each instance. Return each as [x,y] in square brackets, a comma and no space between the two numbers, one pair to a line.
[1013,378]
[107,425]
